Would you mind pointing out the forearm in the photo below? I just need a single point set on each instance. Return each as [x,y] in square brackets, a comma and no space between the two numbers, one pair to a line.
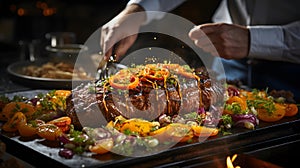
[120,33]
[133,8]
[277,43]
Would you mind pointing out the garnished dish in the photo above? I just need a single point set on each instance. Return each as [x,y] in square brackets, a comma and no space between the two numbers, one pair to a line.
[147,91]
[48,74]
[59,70]
[143,107]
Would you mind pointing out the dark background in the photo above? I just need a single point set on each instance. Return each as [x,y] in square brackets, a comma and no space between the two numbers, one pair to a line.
[25,21]
[30,19]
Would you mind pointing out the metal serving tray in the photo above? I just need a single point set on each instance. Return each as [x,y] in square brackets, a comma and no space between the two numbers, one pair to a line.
[41,153]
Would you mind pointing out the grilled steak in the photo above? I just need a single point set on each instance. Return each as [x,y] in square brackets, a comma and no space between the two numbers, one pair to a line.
[98,103]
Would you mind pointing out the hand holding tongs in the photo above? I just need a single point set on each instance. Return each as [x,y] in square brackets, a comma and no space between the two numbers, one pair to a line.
[108,67]
[105,67]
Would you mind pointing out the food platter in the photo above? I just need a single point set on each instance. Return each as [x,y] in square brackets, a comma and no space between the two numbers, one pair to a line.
[189,144]
[15,72]
[241,141]
[187,141]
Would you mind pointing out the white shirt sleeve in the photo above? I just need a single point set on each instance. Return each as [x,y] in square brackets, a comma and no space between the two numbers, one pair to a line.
[277,43]
[222,14]
[156,5]
[266,42]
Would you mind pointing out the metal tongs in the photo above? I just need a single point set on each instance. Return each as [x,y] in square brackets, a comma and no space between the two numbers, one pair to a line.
[108,67]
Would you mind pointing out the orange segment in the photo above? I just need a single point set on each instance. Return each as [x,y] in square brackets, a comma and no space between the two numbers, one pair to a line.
[291,110]
[204,131]
[49,131]
[175,132]
[276,115]
[63,123]
[11,108]
[102,146]
[12,124]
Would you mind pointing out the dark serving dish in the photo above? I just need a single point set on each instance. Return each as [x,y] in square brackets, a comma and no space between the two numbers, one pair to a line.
[207,153]
[15,72]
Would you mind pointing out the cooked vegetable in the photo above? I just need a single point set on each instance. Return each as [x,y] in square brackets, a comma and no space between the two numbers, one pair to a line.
[66,153]
[235,105]
[154,72]
[139,126]
[187,74]
[3,101]
[49,131]
[204,131]
[291,110]
[184,70]
[267,115]
[174,132]
[74,142]
[11,108]
[30,128]
[249,121]
[13,123]
[233,91]
[124,136]
[124,79]
[62,93]
[63,123]
[59,99]
[102,146]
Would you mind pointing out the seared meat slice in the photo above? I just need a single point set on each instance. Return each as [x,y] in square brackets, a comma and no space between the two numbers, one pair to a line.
[85,107]
[94,105]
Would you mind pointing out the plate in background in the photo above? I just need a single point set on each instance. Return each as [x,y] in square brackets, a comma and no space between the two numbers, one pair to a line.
[15,72]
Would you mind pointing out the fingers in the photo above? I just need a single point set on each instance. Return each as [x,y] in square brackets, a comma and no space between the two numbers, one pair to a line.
[220,39]
[112,43]
[116,39]
[202,41]
[202,30]
[106,42]
[122,47]
[120,33]
[204,36]
[110,46]
[210,27]
[205,40]
[196,33]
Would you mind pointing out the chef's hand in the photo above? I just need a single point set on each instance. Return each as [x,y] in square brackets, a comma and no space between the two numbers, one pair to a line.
[229,41]
[121,32]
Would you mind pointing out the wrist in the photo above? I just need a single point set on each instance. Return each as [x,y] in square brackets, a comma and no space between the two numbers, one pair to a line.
[135,8]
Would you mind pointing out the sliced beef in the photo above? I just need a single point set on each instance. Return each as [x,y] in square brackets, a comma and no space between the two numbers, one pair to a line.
[91,105]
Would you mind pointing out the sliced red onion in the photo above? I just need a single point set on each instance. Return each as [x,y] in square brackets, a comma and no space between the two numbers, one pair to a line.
[66,153]
[212,122]
[245,120]
[213,117]
[63,139]
[201,110]
[34,101]
[164,120]
[232,91]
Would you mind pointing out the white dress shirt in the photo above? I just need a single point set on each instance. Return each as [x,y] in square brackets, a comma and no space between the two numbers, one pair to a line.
[274,25]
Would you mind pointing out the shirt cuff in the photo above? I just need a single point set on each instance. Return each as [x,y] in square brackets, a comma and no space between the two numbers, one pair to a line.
[266,42]
[149,6]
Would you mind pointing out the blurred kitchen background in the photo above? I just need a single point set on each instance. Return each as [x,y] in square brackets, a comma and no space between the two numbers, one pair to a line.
[27,20]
